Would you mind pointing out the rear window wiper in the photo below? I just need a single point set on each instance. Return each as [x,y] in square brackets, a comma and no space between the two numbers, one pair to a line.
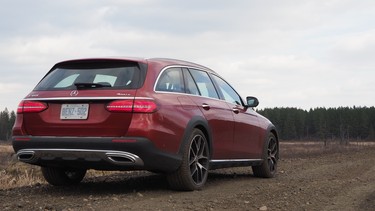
[92,85]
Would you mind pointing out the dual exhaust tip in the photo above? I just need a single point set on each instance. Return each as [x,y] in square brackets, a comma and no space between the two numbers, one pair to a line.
[114,157]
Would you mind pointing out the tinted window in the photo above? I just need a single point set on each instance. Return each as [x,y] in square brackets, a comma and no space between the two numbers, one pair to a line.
[204,83]
[228,92]
[191,86]
[114,78]
[171,80]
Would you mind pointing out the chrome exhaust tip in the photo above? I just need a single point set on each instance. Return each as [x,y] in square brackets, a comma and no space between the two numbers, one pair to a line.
[124,158]
[25,155]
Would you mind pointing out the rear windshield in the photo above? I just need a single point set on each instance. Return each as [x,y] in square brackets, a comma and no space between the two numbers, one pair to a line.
[101,76]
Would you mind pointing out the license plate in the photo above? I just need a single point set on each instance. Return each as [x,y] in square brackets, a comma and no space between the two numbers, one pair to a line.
[74,111]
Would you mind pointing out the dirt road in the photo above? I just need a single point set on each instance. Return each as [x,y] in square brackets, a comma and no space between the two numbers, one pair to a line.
[338,181]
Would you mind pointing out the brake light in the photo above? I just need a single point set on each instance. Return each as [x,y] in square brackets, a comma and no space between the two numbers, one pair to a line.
[144,106]
[31,107]
[137,106]
[120,106]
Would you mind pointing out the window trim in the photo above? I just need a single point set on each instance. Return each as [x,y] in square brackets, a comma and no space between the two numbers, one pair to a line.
[182,68]
[221,98]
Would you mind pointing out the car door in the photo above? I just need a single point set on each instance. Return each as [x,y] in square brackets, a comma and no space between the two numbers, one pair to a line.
[246,138]
[217,113]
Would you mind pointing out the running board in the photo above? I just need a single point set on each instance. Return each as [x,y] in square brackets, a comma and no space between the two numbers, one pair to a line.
[217,164]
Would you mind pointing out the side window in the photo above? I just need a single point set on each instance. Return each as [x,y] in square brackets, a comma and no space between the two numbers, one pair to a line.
[204,83]
[171,80]
[228,92]
[191,87]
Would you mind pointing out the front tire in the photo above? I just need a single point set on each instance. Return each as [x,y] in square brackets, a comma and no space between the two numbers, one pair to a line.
[193,172]
[268,168]
[61,177]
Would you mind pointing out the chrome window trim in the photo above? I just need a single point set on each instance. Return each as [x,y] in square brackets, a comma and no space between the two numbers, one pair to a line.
[182,93]
[175,66]
[87,98]
[196,68]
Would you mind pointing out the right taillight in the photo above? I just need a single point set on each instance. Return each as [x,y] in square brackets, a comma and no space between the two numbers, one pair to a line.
[31,107]
[137,106]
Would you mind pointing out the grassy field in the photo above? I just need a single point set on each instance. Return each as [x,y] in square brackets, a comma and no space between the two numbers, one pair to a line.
[17,174]
[14,173]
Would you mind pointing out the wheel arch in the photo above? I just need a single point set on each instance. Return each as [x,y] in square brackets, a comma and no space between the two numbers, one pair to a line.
[201,124]
[271,129]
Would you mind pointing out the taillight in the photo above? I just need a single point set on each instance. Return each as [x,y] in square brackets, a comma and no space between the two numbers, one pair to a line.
[144,106]
[137,105]
[120,106]
[31,107]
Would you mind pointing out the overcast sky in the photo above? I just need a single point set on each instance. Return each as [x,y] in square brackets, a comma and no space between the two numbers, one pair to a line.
[302,54]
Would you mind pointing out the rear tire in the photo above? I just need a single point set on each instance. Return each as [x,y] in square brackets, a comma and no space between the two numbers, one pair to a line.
[268,168]
[61,177]
[193,172]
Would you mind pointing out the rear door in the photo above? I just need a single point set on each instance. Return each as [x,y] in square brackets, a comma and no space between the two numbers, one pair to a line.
[77,94]
[216,111]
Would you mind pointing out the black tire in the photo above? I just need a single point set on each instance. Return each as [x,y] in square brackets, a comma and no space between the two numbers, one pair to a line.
[61,177]
[193,172]
[268,168]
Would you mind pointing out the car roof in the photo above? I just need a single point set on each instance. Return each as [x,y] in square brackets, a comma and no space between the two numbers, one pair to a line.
[161,61]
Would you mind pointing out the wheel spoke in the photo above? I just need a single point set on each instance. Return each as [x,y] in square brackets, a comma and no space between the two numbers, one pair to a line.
[271,164]
[272,152]
[202,148]
[272,148]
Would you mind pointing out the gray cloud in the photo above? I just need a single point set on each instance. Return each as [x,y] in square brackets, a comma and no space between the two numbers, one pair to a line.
[289,53]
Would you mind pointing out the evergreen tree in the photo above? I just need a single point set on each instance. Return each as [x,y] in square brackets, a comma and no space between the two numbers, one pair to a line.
[6,123]
[341,123]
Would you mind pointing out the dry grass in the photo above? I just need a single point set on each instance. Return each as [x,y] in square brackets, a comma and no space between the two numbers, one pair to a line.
[292,149]
[14,173]
[17,174]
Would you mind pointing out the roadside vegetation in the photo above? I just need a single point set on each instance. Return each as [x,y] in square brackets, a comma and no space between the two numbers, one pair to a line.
[343,124]
[7,120]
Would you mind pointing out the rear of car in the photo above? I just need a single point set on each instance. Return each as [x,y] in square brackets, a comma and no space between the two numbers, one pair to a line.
[80,114]
[160,115]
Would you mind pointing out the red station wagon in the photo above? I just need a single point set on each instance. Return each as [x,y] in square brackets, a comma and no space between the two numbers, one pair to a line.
[162,115]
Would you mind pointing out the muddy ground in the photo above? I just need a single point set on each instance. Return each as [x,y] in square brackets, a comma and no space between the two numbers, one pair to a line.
[329,181]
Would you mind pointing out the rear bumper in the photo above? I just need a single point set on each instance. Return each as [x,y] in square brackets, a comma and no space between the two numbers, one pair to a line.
[101,153]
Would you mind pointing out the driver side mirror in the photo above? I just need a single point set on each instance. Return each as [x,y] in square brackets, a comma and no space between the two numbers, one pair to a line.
[252,102]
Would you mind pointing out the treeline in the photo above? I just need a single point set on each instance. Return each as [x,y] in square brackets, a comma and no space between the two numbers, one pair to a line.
[343,123]
[6,123]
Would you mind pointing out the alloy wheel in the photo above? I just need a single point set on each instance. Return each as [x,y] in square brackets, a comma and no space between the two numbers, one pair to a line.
[198,159]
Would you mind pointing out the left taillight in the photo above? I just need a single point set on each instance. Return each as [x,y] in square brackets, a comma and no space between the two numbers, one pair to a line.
[136,106]
[31,107]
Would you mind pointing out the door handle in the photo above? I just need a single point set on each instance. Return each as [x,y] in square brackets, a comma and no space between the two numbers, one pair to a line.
[205,106]
[235,110]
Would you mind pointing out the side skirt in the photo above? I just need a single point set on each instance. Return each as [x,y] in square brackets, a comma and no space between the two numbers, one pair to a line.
[217,164]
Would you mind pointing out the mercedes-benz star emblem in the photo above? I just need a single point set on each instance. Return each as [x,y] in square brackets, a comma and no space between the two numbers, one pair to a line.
[74,93]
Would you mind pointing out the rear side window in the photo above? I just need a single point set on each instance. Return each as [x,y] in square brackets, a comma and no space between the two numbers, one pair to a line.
[104,76]
[171,80]
[191,87]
